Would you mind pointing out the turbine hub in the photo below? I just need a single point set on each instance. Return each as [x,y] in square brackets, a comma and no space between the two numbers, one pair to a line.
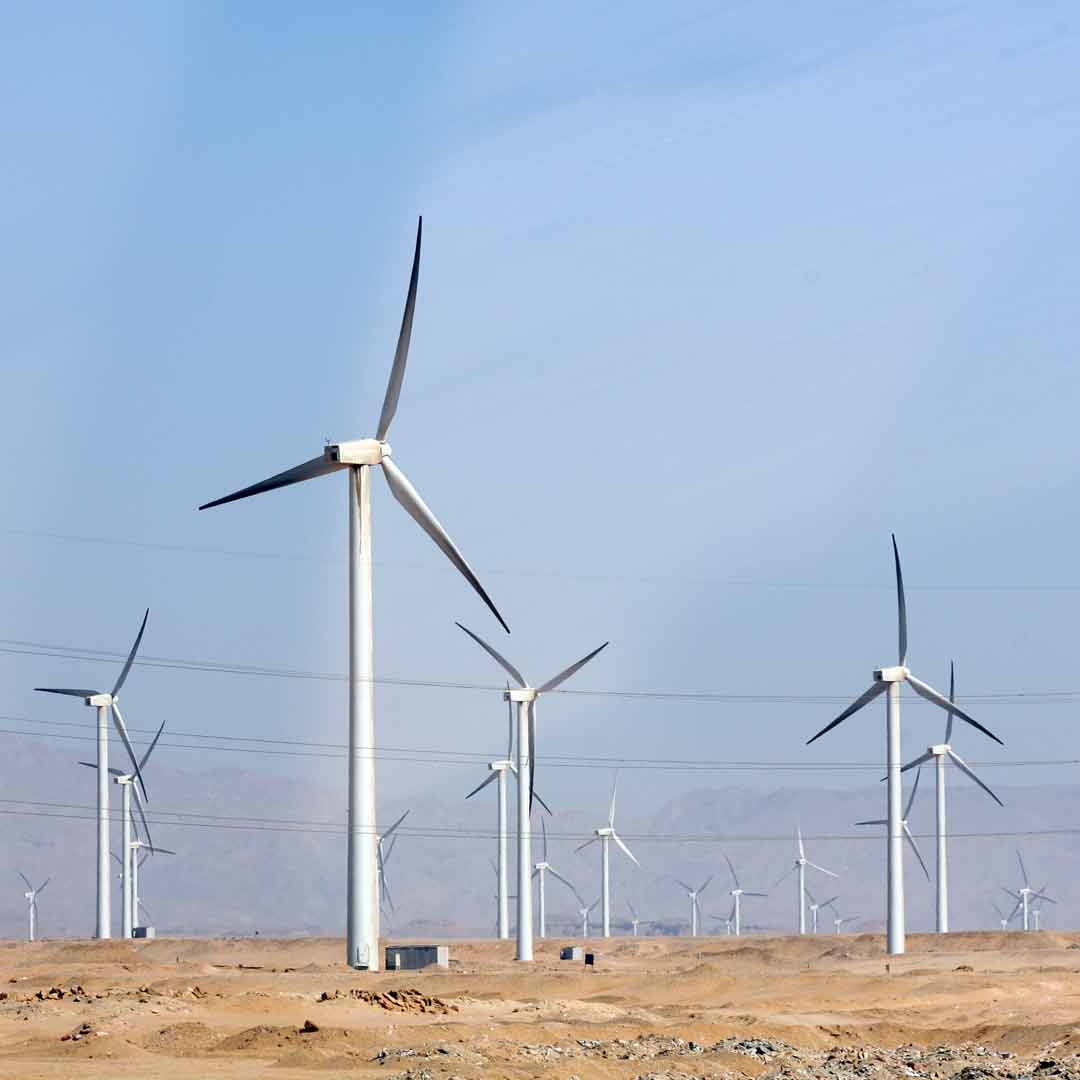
[940,750]
[891,674]
[605,832]
[99,701]
[357,452]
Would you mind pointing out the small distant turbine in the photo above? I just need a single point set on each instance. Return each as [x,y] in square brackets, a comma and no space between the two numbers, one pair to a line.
[938,754]
[815,906]
[798,867]
[358,458]
[889,679]
[905,830]
[540,869]
[635,922]
[584,911]
[141,850]
[31,896]
[605,835]
[499,770]
[1003,919]
[106,704]
[1024,896]
[383,852]
[737,892]
[839,920]
[695,907]
[525,697]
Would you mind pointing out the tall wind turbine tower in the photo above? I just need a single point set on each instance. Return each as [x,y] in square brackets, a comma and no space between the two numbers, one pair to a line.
[737,892]
[540,870]
[605,835]
[695,905]
[524,696]
[106,704]
[939,754]
[798,867]
[887,680]
[358,458]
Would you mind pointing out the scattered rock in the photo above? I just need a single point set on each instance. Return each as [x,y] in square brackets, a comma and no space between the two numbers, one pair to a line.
[410,1001]
[308,1028]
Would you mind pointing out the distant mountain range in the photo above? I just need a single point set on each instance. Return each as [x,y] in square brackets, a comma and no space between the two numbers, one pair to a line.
[237,873]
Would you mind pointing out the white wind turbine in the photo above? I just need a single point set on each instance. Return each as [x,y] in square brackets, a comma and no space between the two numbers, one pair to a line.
[838,919]
[358,458]
[31,896]
[585,911]
[1003,919]
[816,906]
[1025,895]
[605,834]
[499,771]
[106,703]
[798,867]
[542,868]
[695,907]
[383,852]
[737,892]
[904,828]
[888,680]
[635,922]
[938,754]
[525,697]
[129,790]
[141,850]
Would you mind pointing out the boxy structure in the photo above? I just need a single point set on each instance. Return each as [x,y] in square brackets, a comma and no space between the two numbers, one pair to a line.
[571,952]
[414,957]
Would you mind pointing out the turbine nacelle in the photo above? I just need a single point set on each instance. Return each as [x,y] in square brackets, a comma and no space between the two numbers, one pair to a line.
[520,694]
[899,673]
[100,701]
[941,750]
[605,833]
[357,452]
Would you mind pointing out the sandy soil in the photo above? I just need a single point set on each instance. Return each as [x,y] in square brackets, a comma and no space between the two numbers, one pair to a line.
[968,1005]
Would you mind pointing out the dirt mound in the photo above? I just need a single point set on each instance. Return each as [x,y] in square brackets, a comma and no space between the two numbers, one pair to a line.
[407,1001]
[181,1040]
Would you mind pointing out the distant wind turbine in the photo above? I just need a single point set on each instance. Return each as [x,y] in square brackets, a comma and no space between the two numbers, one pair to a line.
[106,703]
[695,906]
[838,919]
[798,867]
[358,458]
[1025,895]
[737,892]
[815,906]
[383,852]
[584,911]
[938,754]
[141,850]
[525,697]
[1003,919]
[540,870]
[31,896]
[129,789]
[635,922]
[888,680]
[904,828]
[605,835]
[499,771]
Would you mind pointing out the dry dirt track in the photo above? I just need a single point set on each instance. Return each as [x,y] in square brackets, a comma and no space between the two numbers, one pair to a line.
[656,1007]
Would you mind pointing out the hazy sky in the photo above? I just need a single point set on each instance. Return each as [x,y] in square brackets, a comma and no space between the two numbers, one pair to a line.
[713,298]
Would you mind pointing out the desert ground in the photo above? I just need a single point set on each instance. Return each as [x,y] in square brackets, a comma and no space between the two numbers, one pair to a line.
[967,1005]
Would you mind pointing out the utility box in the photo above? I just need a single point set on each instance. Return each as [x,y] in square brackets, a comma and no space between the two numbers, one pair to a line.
[414,957]
[571,952]
[143,932]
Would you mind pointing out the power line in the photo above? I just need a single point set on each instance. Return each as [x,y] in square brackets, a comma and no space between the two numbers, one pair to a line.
[70,652]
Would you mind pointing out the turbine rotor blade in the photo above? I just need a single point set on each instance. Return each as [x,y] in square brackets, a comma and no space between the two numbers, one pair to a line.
[746,893]
[582,847]
[510,719]
[921,760]
[683,884]
[931,695]
[146,757]
[611,809]
[1023,869]
[531,706]
[952,698]
[784,878]
[863,699]
[876,821]
[543,833]
[559,679]
[1035,896]
[480,787]
[65,691]
[821,868]
[901,604]
[497,657]
[798,833]
[131,655]
[121,727]
[393,828]
[417,509]
[26,879]
[543,805]
[963,767]
[320,466]
[629,853]
[734,876]
[706,884]
[401,353]
[555,873]
[142,813]
[914,789]
[915,847]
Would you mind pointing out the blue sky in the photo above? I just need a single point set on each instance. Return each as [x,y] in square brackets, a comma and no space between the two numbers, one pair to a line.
[712,299]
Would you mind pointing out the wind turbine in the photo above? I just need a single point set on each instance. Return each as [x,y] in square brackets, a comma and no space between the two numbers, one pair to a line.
[695,908]
[1003,919]
[938,754]
[1024,896]
[635,922]
[31,896]
[358,458]
[798,867]
[888,680]
[605,834]
[525,697]
[728,920]
[584,911]
[141,850]
[815,906]
[498,771]
[737,892]
[383,853]
[539,870]
[905,831]
[838,919]
[106,703]
[129,789]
